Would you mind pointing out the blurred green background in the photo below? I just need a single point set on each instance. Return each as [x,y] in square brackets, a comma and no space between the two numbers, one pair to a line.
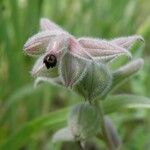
[20,103]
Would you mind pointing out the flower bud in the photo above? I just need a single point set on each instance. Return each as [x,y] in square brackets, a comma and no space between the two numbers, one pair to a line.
[127,70]
[84,121]
[96,81]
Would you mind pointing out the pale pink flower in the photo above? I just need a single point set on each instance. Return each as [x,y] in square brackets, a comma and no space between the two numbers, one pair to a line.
[63,56]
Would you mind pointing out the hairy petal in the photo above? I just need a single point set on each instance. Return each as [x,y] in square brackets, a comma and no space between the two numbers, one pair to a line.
[38,66]
[93,43]
[58,44]
[99,45]
[46,24]
[127,42]
[102,50]
[124,42]
[78,51]
[107,55]
[37,44]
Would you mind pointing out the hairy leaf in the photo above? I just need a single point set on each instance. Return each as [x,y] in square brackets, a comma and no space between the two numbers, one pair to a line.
[51,121]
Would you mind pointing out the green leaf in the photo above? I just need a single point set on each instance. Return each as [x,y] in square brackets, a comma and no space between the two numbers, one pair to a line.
[58,118]
[50,121]
[120,102]
[18,95]
[144,28]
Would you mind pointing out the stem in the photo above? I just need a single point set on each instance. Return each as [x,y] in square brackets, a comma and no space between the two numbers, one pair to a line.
[108,141]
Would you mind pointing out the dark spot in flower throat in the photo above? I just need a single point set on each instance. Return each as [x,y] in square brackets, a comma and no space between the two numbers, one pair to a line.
[50,61]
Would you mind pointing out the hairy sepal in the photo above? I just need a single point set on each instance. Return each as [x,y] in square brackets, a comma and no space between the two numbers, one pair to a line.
[71,69]
[96,82]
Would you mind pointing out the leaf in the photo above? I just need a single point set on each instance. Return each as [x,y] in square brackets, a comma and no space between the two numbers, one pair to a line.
[119,102]
[50,121]
[58,118]
[144,28]
[17,96]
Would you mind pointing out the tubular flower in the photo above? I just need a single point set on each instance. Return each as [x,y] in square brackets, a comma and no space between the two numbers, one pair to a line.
[68,59]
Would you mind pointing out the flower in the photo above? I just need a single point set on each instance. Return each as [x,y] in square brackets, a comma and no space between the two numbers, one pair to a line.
[67,58]
[82,65]
[83,123]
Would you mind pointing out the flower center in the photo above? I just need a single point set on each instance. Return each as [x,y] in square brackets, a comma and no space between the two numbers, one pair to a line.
[50,61]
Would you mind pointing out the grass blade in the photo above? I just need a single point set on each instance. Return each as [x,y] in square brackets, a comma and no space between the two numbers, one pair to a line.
[50,121]
[120,102]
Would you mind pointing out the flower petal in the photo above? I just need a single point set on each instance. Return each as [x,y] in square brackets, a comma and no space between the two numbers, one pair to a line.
[37,44]
[127,42]
[38,66]
[99,44]
[107,56]
[46,24]
[58,44]
[77,50]
[124,42]
[102,50]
